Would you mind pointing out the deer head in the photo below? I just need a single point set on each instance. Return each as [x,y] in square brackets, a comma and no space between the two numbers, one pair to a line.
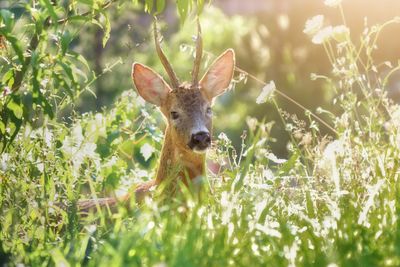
[186,106]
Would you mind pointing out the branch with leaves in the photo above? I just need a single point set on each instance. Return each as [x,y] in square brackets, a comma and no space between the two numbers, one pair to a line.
[33,44]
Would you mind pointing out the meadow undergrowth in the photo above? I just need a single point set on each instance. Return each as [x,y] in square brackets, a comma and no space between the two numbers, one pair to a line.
[333,202]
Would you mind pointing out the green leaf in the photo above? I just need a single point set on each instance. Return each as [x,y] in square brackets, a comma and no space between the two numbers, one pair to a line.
[65,40]
[289,164]
[16,109]
[183,9]
[160,5]
[148,6]
[86,2]
[200,6]
[16,45]
[83,60]
[80,58]
[48,109]
[106,29]
[50,9]
[309,204]
[59,259]
[8,19]
[7,76]
[79,18]
[39,18]
[2,128]
[68,71]
[35,78]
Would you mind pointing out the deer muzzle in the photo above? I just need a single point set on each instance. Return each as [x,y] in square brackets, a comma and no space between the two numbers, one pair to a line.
[200,141]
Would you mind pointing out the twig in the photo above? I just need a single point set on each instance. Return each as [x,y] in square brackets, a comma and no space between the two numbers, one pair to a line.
[104,6]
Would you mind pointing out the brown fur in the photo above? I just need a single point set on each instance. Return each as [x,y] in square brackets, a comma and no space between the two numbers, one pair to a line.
[176,157]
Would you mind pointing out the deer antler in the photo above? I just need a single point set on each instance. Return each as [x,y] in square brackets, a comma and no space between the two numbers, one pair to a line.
[199,54]
[171,74]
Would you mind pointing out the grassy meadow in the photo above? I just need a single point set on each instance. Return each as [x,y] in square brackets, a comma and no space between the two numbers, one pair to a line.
[333,200]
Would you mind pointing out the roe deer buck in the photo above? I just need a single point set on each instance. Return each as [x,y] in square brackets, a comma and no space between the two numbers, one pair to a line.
[187,110]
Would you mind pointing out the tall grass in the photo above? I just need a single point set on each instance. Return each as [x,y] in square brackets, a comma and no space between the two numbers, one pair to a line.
[333,202]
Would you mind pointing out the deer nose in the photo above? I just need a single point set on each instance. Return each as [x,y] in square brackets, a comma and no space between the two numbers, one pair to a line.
[200,140]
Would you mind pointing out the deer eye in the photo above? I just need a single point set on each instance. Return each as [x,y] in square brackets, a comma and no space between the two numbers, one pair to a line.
[174,115]
[209,111]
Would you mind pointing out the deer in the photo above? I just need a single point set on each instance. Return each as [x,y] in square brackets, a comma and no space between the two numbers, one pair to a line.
[187,110]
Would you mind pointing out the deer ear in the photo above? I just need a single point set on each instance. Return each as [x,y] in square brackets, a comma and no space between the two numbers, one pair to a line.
[149,84]
[219,75]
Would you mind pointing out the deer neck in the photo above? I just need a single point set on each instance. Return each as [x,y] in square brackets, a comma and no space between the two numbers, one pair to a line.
[178,161]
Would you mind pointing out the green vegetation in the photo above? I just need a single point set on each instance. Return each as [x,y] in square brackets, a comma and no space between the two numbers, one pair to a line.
[333,202]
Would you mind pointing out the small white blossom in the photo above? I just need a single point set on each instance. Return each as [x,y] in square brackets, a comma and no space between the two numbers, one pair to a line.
[251,123]
[291,253]
[48,137]
[313,25]
[76,148]
[40,167]
[341,33]
[96,128]
[223,137]
[91,228]
[146,150]
[332,3]
[328,162]
[275,159]
[269,229]
[266,93]
[323,35]
[373,191]
[3,161]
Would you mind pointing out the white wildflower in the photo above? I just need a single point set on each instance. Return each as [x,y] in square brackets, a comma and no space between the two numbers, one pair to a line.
[341,33]
[275,159]
[332,3]
[270,229]
[146,150]
[48,137]
[251,123]
[313,25]
[268,174]
[266,93]
[223,137]
[96,128]
[76,149]
[91,228]
[228,206]
[291,253]
[40,167]
[395,116]
[88,150]
[373,192]
[323,35]
[259,208]
[328,163]
[3,161]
